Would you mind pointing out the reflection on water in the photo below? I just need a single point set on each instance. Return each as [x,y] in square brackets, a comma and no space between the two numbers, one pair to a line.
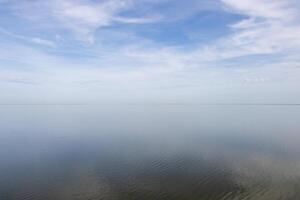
[149,152]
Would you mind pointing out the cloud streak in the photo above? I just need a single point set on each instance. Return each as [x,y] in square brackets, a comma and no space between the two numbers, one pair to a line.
[81,17]
[269,27]
[83,45]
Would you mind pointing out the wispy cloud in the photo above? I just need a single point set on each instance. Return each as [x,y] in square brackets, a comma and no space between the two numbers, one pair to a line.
[35,40]
[44,42]
[81,17]
[116,44]
[269,27]
[18,81]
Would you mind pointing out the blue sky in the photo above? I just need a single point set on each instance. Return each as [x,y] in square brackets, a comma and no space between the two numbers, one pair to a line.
[90,51]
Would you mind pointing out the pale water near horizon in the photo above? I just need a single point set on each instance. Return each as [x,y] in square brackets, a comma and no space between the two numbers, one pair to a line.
[153,152]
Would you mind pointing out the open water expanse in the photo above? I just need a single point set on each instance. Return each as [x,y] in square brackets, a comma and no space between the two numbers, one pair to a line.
[150,152]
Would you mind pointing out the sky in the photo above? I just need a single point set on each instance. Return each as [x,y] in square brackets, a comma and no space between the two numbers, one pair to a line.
[149,51]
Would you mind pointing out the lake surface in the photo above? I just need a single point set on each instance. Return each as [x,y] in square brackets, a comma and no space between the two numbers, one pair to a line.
[150,152]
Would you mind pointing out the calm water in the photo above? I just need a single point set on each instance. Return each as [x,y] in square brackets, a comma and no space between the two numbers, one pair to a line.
[156,152]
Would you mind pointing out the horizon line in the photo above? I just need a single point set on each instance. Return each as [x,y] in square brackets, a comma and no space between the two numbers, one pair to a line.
[153,103]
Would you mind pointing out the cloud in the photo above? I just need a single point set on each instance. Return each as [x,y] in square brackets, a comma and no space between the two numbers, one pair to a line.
[35,40]
[17,80]
[81,17]
[84,17]
[269,27]
[260,49]
[43,42]
[253,35]
[257,80]
[132,20]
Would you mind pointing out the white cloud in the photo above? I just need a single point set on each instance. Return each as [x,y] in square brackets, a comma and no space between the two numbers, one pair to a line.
[81,17]
[132,20]
[35,40]
[269,27]
[267,9]
[44,42]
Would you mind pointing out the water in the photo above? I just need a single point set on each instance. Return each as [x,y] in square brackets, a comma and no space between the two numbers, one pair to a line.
[157,152]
